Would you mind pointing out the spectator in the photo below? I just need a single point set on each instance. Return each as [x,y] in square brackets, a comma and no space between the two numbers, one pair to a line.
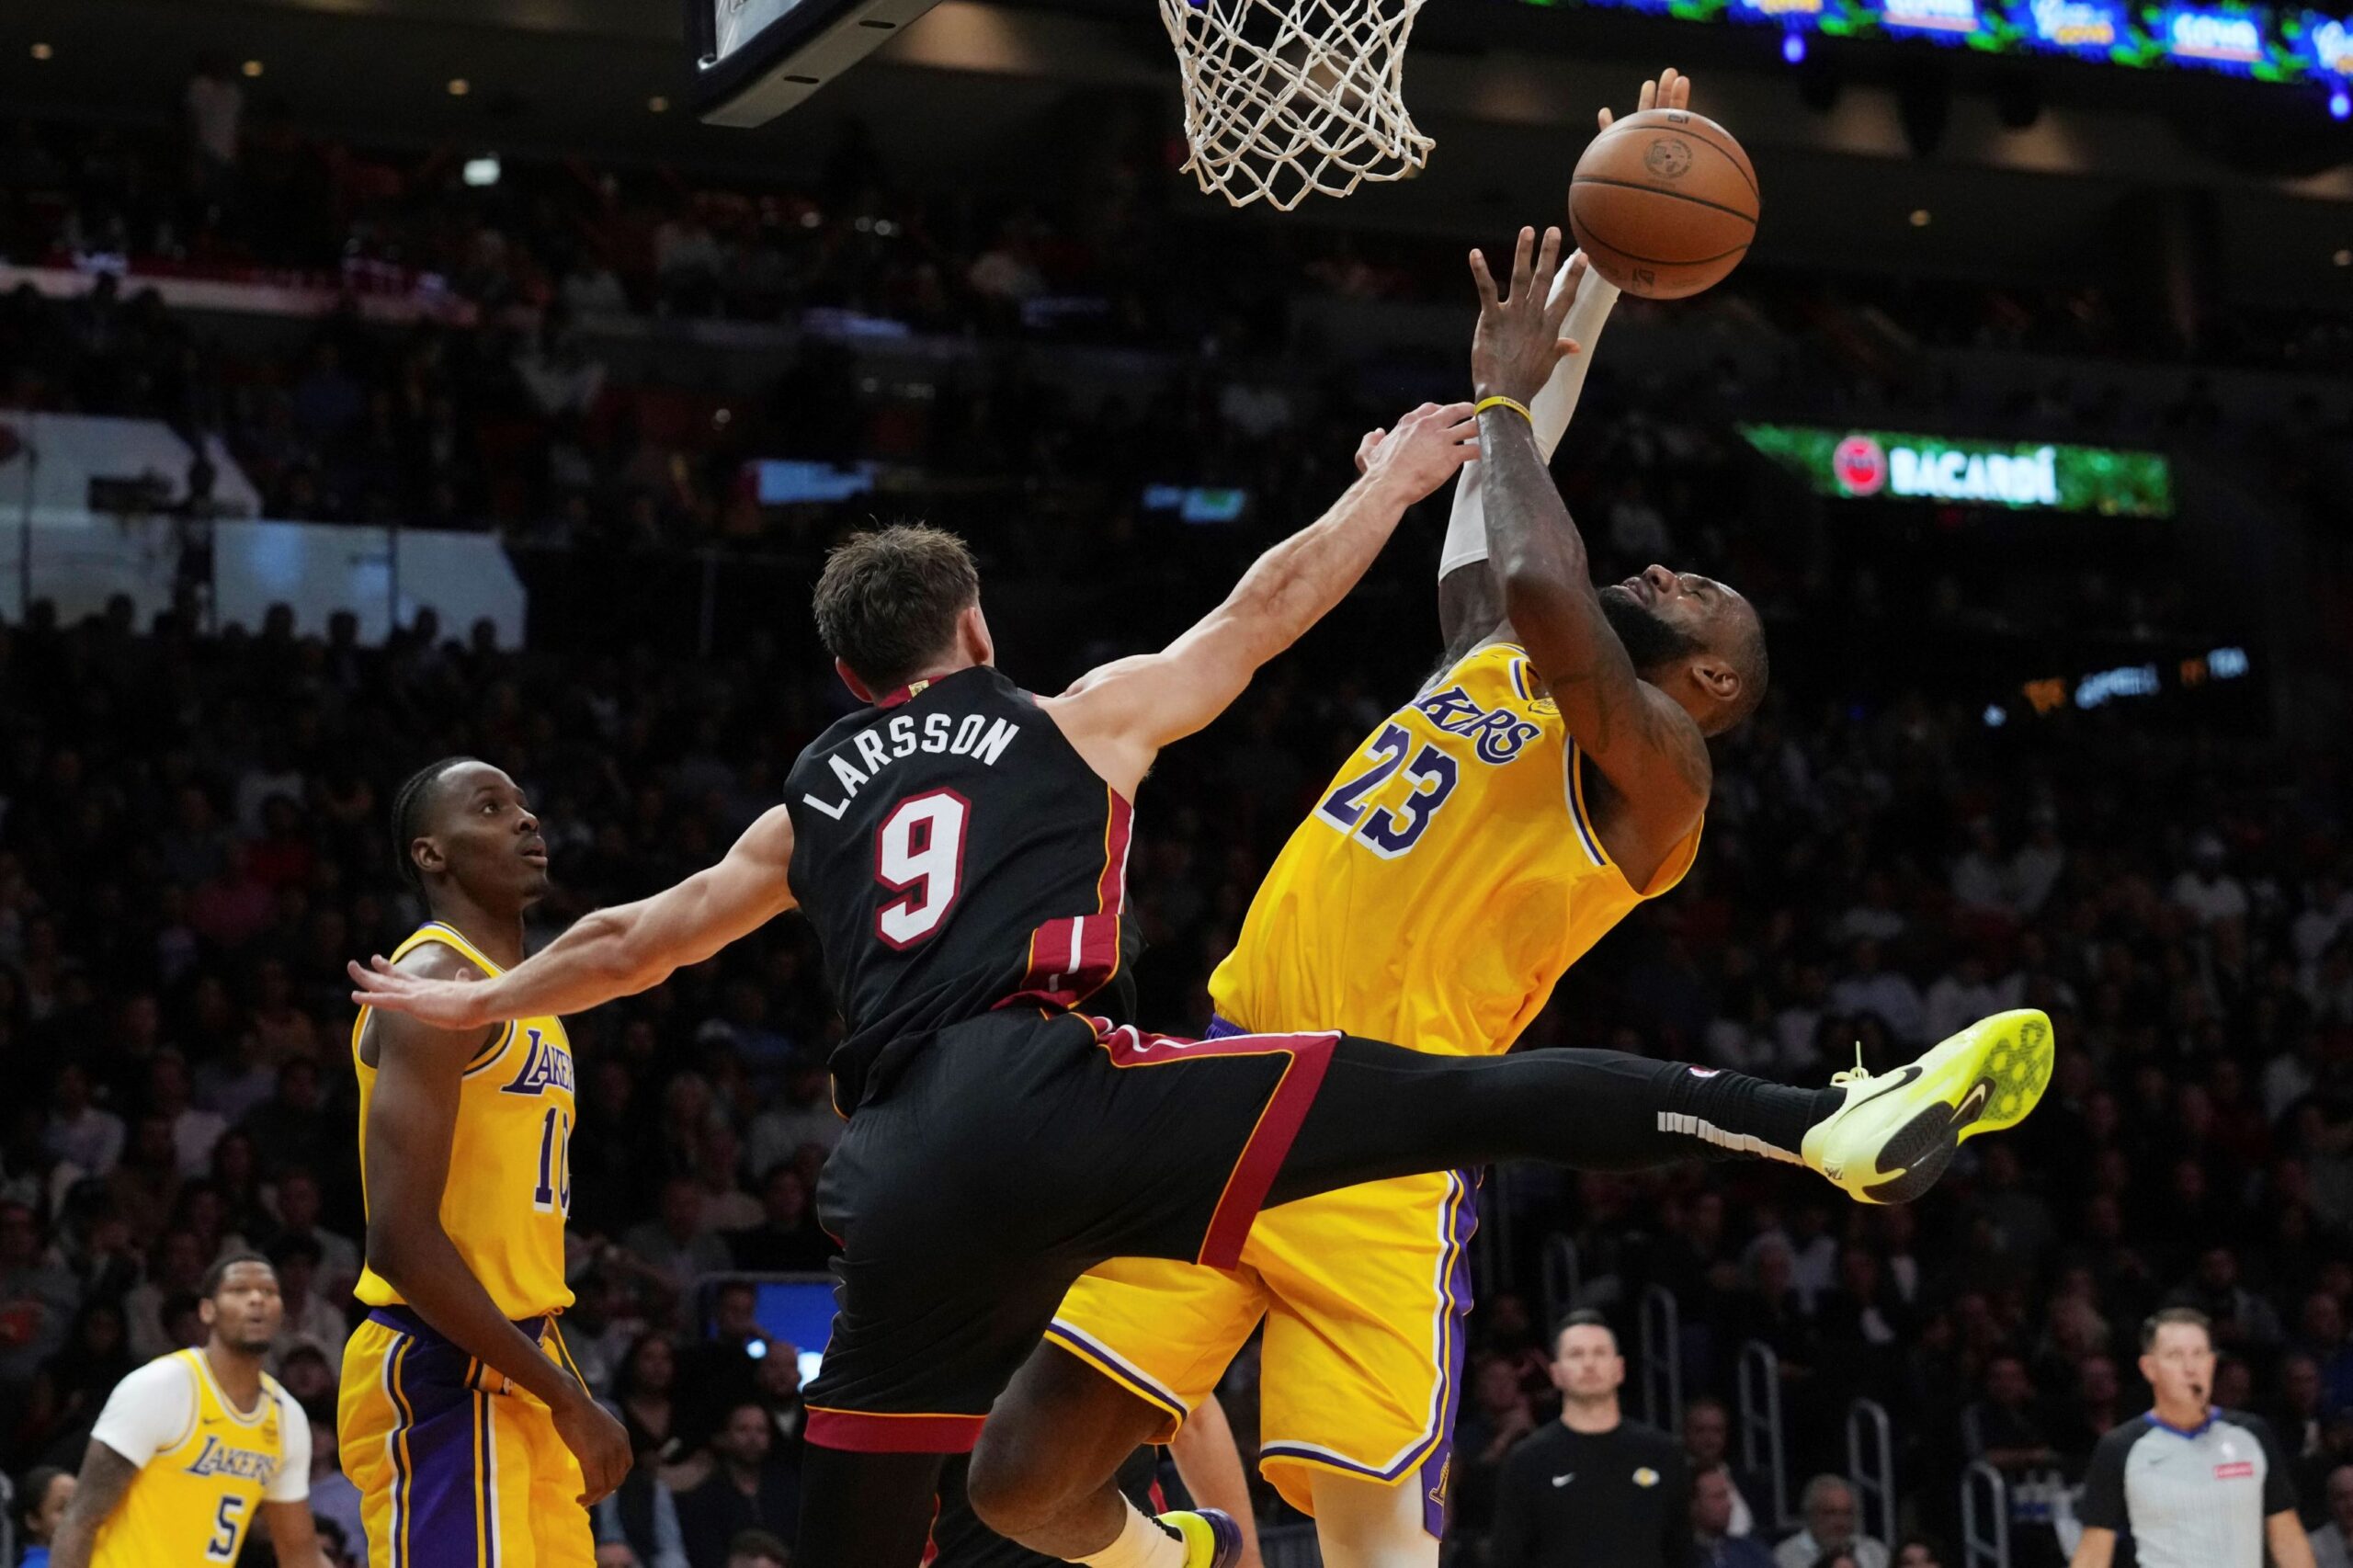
[2001,1427]
[642,1388]
[2206,888]
[720,1372]
[175,1268]
[2241,1320]
[40,1503]
[749,1488]
[298,1220]
[38,1300]
[1831,1527]
[145,1185]
[72,1386]
[1707,1446]
[642,1517]
[292,1127]
[805,1118]
[80,1132]
[194,1129]
[1499,1415]
[1592,1488]
[1711,1518]
[216,107]
[1918,1554]
[758,1549]
[333,1497]
[1869,987]
[787,1238]
[679,1248]
[310,1319]
[1961,996]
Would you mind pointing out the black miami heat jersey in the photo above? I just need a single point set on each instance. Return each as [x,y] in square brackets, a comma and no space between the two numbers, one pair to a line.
[955,854]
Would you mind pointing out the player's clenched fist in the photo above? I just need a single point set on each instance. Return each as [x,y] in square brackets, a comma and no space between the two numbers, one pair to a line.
[1429,446]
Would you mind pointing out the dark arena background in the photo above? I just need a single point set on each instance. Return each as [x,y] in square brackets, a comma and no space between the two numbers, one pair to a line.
[390,379]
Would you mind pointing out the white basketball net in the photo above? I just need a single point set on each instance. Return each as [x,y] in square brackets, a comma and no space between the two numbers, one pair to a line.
[1285,98]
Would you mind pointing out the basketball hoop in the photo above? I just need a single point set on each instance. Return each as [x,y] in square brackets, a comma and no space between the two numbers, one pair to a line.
[1286,99]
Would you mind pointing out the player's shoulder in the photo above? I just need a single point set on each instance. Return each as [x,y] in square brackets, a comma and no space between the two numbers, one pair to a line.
[1538,1448]
[171,1369]
[1648,1442]
[436,954]
[2248,1421]
[2118,1441]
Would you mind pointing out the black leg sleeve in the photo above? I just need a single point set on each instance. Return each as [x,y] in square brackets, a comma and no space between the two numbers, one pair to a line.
[1385,1111]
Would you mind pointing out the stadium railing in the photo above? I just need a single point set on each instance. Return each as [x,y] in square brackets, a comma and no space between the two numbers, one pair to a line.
[1985,1518]
[1762,1448]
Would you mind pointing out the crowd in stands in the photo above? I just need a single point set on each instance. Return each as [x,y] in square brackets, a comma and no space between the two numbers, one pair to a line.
[194,840]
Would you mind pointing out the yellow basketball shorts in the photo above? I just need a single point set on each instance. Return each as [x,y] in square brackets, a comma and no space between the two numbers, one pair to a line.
[1365,1291]
[453,1473]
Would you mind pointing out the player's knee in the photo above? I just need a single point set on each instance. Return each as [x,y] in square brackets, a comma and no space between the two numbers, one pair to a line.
[1012,1483]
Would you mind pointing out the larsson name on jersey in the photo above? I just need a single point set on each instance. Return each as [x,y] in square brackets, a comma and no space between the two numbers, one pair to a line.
[245,1464]
[975,735]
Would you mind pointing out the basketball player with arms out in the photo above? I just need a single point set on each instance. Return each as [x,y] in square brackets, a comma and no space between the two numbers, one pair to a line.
[463,1422]
[960,848]
[192,1445]
[1477,844]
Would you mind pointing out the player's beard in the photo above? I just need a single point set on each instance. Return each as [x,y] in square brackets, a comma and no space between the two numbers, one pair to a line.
[1649,639]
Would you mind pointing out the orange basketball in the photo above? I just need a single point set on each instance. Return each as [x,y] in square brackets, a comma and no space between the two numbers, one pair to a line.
[1663,203]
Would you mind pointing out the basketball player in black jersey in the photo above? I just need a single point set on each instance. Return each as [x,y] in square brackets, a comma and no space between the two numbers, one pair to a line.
[960,845]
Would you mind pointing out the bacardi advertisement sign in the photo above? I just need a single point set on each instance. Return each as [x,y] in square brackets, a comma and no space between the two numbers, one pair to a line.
[2019,475]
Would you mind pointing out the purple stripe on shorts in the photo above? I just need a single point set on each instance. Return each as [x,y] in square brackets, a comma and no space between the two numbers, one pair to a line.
[1221,1030]
[1463,1223]
[444,1523]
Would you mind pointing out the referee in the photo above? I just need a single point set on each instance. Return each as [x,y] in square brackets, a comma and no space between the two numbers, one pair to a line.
[1591,1489]
[2194,1486]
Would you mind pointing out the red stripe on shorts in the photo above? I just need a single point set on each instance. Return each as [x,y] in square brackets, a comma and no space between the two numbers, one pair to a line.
[1279,1121]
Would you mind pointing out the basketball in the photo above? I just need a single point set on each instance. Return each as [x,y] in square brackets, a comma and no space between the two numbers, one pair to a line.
[1663,203]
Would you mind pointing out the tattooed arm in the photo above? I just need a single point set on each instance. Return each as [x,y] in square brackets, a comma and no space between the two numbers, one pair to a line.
[1643,742]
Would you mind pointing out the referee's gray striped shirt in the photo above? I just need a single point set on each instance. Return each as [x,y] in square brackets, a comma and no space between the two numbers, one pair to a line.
[2194,1498]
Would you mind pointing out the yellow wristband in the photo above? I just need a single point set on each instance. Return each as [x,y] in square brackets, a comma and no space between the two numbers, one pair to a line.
[1511,403]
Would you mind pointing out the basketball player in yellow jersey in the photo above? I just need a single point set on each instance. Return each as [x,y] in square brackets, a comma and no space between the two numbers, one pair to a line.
[193,1445]
[463,1422]
[1551,777]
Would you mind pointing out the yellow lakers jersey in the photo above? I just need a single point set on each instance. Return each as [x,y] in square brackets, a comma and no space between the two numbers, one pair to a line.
[510,1166]
[1447,879]
[194,1500]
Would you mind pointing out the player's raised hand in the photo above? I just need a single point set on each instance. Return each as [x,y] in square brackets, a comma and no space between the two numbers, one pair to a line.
[1670,89]
[444,1004]
[1429,446]
[599,1442]
[1518,340]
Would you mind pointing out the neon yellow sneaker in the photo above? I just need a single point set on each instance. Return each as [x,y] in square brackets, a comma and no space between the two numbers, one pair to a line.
[1211,1538]
[1897,1131]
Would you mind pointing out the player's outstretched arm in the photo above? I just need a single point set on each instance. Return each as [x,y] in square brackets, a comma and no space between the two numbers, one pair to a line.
[97,1492]
[412,1123]
[1120,715]
[1470,600]
[1645,743]
[613,952]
